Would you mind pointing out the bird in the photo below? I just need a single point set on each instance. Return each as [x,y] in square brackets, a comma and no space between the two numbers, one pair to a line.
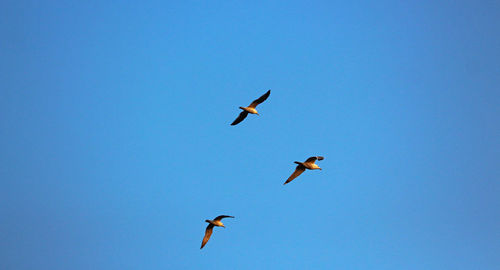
[308,164]
[211,223]
[250,109]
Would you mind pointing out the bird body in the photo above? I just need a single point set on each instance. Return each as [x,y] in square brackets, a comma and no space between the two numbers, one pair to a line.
[250,109]
[309,165]
[302,166]
[217,223]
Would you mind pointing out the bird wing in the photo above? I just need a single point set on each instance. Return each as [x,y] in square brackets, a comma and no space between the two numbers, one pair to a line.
[208,233]
[313,159]
[298,170]
[260,100]
[240,118]
[222,216]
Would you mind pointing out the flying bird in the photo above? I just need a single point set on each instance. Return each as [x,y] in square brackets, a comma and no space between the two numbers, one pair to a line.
[251,108]
[210,228]
[308,164]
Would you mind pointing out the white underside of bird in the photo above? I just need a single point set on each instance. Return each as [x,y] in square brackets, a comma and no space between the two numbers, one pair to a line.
[249,110]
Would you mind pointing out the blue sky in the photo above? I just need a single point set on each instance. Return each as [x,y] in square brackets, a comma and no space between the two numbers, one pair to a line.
[116,144]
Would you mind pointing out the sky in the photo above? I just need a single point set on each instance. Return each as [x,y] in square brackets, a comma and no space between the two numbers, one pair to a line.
[116,145]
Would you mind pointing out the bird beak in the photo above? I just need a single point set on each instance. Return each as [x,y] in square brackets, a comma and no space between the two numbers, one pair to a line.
[320,169]
[223,226]
[258,114]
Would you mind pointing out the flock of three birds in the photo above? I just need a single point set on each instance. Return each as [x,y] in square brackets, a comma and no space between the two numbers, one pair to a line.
[301,167]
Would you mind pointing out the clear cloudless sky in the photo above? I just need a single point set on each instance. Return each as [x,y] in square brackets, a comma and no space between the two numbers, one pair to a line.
[115,143]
